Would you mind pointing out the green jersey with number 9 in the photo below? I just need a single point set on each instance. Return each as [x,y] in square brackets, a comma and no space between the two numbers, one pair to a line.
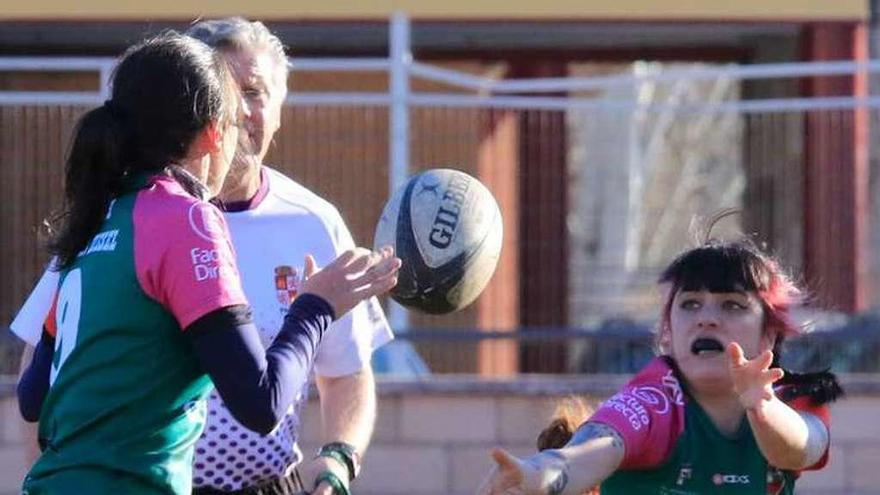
[125,406]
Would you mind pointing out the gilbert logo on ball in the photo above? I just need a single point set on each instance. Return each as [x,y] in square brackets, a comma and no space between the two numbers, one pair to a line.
[446,228]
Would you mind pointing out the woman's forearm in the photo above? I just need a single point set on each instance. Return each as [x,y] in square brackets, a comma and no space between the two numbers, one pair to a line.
[33,384]
[594,452]
[788,439]
[259,385]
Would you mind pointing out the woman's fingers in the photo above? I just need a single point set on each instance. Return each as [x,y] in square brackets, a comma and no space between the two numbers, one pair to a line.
[364,259]
[505,478]
[752,379]
[773,375]
[354,262]
[507,463]
[387,266]
[353,276]
[739,361]
[310,266]
[763,361]
[375,288]
[345,258]
[736,355]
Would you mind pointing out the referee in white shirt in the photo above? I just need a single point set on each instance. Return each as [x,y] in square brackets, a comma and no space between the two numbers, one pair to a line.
[274,222]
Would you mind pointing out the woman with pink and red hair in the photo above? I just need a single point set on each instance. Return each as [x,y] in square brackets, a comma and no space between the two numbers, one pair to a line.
[714,413]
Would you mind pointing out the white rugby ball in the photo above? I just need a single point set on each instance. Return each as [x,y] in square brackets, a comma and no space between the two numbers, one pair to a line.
[447,229]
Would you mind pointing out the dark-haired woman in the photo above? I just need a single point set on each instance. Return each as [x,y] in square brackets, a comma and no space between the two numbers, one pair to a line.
[149,310]
[712,414]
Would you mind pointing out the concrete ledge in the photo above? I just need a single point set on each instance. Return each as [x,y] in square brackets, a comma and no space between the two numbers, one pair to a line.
[7,386]
[556,385]
[528,385]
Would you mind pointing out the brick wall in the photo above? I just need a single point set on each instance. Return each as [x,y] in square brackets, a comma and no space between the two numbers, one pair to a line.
[433,438]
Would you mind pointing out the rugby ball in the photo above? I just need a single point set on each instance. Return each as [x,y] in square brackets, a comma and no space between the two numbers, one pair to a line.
[446,228]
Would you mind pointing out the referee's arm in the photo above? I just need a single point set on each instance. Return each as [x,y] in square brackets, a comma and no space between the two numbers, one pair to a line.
[348,407]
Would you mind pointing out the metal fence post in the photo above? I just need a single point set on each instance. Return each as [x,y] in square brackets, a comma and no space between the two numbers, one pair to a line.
[105,75]
[401,57]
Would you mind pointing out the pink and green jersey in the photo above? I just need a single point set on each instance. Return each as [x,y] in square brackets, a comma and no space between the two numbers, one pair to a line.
[673,448]
[125,405]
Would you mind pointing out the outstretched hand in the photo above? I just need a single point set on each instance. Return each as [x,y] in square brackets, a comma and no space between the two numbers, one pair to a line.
[510,476]
[752,379]
[357,274]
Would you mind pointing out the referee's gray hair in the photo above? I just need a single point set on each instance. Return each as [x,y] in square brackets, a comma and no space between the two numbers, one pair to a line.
[237,33]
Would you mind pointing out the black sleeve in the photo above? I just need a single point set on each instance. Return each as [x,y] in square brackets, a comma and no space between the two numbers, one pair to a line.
[34,382]
[259,385]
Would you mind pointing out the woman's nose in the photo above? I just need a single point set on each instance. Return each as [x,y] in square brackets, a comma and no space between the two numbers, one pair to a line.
[707,318]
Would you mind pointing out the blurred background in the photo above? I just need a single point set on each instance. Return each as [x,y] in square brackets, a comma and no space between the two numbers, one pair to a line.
[606,131]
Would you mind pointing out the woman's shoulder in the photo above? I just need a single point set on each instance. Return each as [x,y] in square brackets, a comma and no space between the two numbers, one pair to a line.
[655,390]
[660,371]
[162,191]
[648,413]
[164,206]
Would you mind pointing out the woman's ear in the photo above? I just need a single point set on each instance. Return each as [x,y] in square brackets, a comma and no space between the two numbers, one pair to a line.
[208,140]
[214,136]
[664,340]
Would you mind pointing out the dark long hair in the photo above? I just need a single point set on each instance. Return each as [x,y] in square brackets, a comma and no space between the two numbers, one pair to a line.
[165,90]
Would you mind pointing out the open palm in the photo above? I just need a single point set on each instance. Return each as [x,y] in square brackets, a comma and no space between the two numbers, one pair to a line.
[752,379]
[355,275]
[511,476]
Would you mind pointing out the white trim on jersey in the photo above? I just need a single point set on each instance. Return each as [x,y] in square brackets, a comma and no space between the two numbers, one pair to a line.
[28,323]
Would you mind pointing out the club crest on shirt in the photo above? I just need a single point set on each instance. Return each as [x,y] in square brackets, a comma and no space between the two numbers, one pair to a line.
[204,220]
[287,280]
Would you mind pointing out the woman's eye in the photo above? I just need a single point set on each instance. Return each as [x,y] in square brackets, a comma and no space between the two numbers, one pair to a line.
[734,305]
[689,304]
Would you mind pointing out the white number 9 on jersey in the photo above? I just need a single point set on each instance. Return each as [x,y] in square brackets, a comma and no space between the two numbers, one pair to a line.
[67,313]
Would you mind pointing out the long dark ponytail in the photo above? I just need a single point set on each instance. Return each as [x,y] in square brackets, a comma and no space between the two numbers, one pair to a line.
[165,90]
[92,177]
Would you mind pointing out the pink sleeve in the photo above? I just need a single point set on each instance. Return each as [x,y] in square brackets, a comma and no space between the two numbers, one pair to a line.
[648,413]
[183,256]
